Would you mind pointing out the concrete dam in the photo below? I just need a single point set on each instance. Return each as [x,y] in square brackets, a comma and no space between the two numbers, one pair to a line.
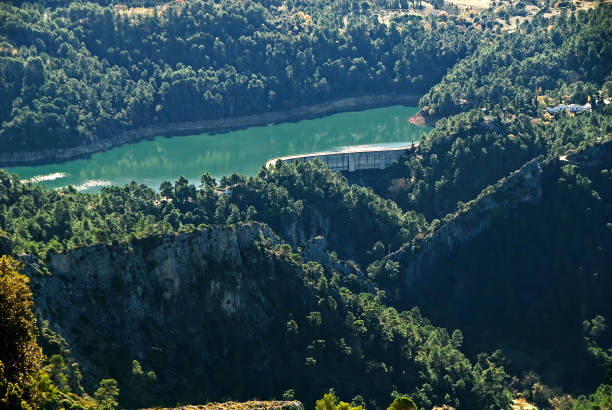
[355,158]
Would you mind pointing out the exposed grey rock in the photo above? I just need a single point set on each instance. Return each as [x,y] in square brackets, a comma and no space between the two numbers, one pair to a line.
[184,298]
[316,250]
[521,186]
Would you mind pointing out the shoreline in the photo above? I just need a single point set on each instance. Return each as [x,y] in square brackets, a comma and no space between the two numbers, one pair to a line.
[12,159]
[422,118]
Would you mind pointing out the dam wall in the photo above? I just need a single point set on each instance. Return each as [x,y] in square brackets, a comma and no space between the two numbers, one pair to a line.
[354,158]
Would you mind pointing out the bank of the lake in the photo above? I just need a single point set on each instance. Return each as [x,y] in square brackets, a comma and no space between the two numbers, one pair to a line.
[422,117]
[208,126]
[244,151]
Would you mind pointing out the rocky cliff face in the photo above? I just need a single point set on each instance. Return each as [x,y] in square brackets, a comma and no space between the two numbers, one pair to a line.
[531,256]
[522,186]
[297,232]
[192,307]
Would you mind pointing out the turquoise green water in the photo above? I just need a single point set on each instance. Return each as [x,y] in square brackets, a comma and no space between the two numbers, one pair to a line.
[244,151]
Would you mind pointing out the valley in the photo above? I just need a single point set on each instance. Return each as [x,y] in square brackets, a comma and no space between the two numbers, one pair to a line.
[154,254]
[242,151]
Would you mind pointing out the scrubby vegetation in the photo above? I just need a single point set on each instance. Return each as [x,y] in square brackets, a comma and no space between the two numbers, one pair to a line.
[499,126]
[297,200]
[530,289]
[27,380]
[570,53]
[522,268]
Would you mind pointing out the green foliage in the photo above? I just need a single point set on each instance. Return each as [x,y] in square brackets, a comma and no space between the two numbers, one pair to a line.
[384,272]
[508,289]
[292,328]
[141,388]
[461,156]
[23,383]
[41,221]
[289,394]
[467,152]
[207,181]
[510,72]
[58,372]
[330,402]
[106,395]
[598,339]
[496,90]
[86,72]
[402,403]
[302,192]
[325,334]
[314,318]
[83,72]
[601,399]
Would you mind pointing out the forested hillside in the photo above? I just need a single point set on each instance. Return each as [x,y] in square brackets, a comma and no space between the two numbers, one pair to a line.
[474,148]
[209,327]
[542,269]
[77,74]
[297,201]
[565,55]
[494,235]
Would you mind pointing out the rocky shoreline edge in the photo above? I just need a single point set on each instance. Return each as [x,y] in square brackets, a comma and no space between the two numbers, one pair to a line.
[423,118]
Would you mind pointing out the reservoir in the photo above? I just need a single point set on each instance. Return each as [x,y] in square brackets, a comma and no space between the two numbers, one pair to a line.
[244,151]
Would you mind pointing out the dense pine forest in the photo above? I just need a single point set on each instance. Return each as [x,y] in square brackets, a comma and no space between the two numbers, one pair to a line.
[77,74]
[474,273]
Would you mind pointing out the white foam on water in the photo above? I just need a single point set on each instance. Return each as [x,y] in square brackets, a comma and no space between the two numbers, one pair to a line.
[48,177]
[91,184]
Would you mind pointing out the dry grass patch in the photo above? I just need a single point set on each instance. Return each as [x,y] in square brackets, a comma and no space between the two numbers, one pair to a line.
[249,405]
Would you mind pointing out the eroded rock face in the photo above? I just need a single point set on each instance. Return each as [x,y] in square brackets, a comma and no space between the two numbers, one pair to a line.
[182,305]
[296,233]
[522,186]
[316,250]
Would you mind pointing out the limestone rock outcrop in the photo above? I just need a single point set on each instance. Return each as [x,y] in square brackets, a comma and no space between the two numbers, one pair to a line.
[521,186]
[182,305]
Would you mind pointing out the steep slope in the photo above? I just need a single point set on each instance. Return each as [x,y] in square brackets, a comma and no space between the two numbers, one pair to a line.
[232,313]
[524,266]
[511,72]
[162,299]
[520,187]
